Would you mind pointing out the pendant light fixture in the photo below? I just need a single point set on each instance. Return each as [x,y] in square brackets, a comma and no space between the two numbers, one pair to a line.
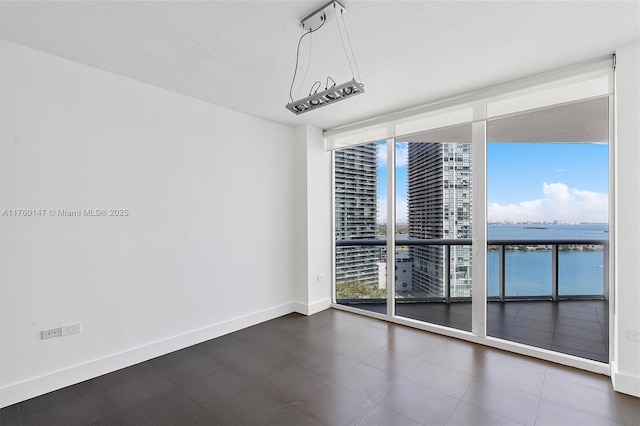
[312,23]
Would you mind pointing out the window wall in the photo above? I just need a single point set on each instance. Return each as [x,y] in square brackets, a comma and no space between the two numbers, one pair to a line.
[439,259]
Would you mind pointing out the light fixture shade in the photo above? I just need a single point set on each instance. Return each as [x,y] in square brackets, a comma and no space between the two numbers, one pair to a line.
[329,96]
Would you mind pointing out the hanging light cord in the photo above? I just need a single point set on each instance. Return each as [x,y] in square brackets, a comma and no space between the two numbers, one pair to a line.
[342,40]
[350,47]
[295,71]
[306,71]
[311,92]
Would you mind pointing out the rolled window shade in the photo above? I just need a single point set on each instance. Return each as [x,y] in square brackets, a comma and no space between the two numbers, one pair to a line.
[583,81]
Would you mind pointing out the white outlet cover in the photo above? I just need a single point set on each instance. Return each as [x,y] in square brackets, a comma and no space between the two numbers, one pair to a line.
[633,335]
[49,333]
[70,329]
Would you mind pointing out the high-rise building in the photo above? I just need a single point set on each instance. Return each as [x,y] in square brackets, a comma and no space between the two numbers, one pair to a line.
[356,212]
[439,207]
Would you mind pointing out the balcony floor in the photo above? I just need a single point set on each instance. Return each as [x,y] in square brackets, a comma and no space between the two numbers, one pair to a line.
[574,327]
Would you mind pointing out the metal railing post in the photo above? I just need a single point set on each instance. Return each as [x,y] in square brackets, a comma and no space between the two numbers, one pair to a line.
[554,272]
[446,274]
[501,272]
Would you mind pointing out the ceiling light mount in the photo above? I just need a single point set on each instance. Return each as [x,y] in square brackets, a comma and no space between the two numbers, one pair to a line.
[314,20]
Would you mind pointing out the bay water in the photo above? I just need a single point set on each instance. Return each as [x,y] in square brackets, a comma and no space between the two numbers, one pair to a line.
[528,273]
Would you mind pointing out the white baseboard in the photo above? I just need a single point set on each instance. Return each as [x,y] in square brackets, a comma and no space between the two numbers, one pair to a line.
[54,380]
[313,308]
[625,383]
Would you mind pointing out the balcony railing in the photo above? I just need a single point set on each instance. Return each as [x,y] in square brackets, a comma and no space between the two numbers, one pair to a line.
[502,246]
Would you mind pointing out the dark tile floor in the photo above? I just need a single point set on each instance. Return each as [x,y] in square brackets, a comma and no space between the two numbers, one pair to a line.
[574,327]
[334,368]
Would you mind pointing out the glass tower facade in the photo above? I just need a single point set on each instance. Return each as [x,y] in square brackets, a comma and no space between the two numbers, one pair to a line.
[439,207]
[356,213]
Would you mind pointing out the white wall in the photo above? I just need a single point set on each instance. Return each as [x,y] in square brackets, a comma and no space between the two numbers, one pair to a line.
[207,247]
[314,236]
[626,368]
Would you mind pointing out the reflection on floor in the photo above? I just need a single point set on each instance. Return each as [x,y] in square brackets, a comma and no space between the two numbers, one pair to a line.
[335,368]
[574,327]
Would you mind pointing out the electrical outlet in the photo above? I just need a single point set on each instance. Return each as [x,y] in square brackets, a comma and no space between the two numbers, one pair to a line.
[320,278]
[70,329]
[48,334]
[633,335]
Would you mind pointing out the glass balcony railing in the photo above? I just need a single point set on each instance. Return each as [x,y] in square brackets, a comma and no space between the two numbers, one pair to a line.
[547,269]
[516,269]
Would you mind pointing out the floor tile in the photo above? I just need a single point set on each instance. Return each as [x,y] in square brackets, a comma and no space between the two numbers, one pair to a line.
[185,365]
[215,387]
[579,377]
[167,409]
[467,414]
[553,414]
[292,418]
[542,336]
[85,409]
[10,416]
[583,398]
[534,324]
[140,388]
[328,365]
[518,375]
[368,381]
[255,365]
[447,381]
[382,416]
[397,364]
[581,314]
[468,362]
[527,314]
[581,333]
[627,408]
[295,384]
[112,420]
[419,403]
[58,397]
[580,323]
[335,405]
[124,375]
[595,347]
[418,347]
[255,405]
[503,400]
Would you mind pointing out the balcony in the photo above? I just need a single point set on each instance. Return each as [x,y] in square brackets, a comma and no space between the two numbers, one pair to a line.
[565,312]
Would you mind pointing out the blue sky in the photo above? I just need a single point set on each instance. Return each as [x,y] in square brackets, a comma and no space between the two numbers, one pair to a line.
[516,171]
[527,182]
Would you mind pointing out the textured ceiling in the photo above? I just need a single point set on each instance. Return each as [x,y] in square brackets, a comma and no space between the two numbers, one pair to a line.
[241,54]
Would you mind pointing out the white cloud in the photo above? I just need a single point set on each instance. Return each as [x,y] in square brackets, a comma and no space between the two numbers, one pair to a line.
[402,151]
[401,155]
[558,202]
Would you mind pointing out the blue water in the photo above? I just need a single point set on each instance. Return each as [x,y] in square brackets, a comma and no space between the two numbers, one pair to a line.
[529,272]
[595,231]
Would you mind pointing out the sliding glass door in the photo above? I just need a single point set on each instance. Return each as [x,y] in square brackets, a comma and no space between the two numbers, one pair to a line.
[433,261]
[548,228]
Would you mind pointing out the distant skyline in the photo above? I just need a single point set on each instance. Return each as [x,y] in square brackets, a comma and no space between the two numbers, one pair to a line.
[537,182]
